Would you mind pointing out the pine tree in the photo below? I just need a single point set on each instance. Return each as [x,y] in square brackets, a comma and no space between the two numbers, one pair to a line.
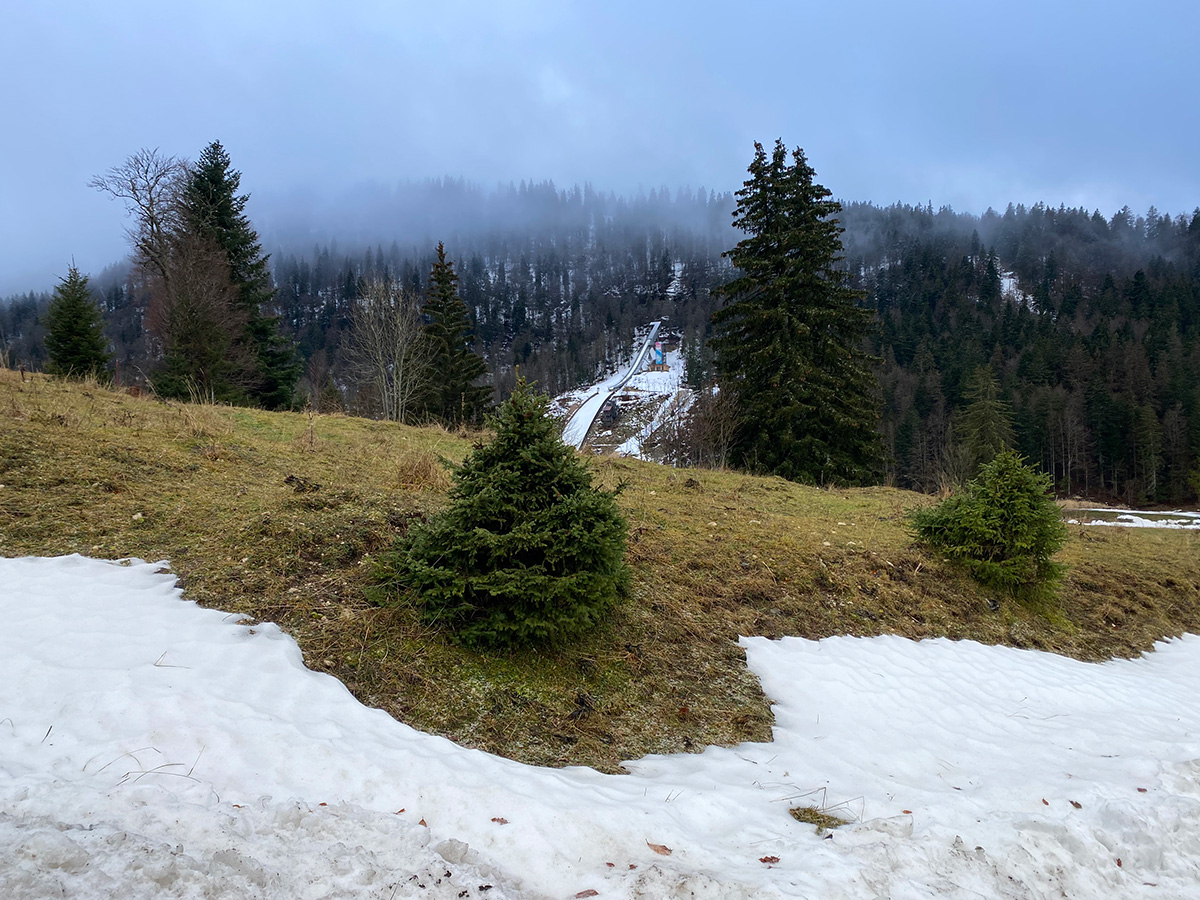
[213,210]
[789,341]
[75,342]
[455,397]
[986,425]
[528,553]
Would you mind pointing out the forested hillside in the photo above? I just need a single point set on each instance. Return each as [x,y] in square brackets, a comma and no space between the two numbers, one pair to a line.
[557,280]
[1090,327]
[1078,333]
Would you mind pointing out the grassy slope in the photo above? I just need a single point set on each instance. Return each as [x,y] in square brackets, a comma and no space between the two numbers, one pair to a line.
[714,554]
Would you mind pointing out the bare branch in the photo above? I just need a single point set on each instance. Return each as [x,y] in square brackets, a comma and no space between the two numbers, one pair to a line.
[389,353]
[196,317]
[150,185]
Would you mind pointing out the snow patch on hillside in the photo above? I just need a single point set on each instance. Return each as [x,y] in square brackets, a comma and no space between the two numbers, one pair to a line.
[676,285]
[1010,289]
[1138,519]
[663,394]
[151,748]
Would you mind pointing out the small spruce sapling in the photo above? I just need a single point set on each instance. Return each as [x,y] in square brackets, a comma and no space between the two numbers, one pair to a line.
[75,342]
[1004,528]
[528,553]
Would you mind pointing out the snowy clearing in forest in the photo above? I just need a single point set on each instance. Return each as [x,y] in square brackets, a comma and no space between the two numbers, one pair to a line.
[647,401]
[150,748]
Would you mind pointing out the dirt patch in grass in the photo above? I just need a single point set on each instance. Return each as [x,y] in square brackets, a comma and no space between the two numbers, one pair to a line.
[281,515]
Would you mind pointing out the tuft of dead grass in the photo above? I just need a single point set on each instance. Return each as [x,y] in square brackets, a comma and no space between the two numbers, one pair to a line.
[715,555]
[812,815]
[421,470]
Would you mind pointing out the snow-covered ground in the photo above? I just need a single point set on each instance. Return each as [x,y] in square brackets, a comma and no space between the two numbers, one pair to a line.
[676,285]
[664,393]
[1137,519]
[1011,290]
[588,401]
[153,749]
[661,394]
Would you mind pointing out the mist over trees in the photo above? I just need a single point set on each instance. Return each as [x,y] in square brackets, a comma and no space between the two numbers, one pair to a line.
[1090,328]
[554,281]
[1080,331]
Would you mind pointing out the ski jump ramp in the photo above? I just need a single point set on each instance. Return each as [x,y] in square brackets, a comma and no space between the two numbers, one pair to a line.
[578,427]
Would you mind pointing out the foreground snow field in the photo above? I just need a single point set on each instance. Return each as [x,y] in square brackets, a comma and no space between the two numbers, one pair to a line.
[151,748]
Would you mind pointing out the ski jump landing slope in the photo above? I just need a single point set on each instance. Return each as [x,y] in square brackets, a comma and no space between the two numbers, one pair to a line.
[576,430]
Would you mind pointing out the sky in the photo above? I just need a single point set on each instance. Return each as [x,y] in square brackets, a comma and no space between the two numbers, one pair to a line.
[1093,104]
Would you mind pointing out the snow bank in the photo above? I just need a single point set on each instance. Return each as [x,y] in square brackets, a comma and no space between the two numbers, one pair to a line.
[150,748]
[1139,519]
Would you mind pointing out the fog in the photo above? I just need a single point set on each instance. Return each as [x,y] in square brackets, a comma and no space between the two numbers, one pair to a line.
[329,109]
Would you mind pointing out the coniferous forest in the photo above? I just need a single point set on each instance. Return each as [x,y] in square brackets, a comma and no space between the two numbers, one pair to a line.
[1071,335]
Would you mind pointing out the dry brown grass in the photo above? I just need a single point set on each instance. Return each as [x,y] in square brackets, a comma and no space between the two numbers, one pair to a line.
[812,815]
[714,554]
[421,470]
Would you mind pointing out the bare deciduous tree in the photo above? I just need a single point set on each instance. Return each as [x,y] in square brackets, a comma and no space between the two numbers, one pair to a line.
[318,384]
[703,435]
[389,354]
[150,184]
[196,318]
[715,420]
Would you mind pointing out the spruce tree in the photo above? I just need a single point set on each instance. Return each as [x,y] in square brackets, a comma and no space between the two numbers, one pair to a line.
[1003,527]
[986,424]
[528,553]
[75,342]
[455,397]
[213,211]
[790,340]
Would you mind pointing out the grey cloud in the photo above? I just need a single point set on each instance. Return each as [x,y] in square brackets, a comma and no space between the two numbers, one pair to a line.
[1079,102]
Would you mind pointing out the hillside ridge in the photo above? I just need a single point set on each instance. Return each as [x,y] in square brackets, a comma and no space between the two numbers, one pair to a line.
[278,516]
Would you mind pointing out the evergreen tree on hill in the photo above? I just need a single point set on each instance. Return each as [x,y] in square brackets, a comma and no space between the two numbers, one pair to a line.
[528,553]
[789,341]
[455,396]
[213,211]
[75,342]
[1003,527]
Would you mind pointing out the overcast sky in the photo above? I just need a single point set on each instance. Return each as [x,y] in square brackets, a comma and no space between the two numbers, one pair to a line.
[1087,102]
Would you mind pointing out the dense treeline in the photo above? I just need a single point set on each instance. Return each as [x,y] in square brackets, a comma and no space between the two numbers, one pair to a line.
[1091,327]
[1088,327]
